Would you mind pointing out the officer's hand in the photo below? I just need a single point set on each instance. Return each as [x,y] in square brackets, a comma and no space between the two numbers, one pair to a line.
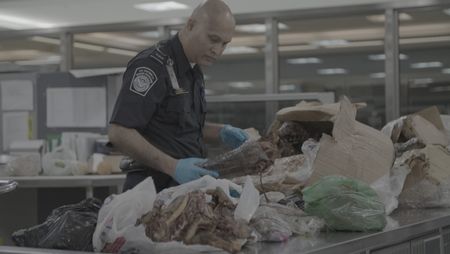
[187,170]
[232,136]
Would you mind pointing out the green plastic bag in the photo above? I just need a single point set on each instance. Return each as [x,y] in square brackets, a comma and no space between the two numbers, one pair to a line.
[345,204]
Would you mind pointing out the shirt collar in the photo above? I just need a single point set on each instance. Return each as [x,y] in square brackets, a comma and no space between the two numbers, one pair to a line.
[181,61]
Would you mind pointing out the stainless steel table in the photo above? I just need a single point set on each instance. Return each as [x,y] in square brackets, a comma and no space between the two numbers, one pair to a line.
[86,181]
[409,229]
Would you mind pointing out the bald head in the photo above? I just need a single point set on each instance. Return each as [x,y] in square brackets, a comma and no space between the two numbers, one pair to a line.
[213,10]
[207,32]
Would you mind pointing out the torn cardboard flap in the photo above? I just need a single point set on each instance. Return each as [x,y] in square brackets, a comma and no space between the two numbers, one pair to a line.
[311,111]
[431,162]
[424,130]
[355,150]
[426,125]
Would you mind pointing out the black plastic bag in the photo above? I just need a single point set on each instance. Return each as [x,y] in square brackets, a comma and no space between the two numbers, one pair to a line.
[68,227]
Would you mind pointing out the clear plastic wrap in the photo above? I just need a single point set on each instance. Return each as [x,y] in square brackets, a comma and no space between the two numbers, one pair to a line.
[60,162]
[25,165]
[390,186]
[269,225]
[68,227]
[345,204]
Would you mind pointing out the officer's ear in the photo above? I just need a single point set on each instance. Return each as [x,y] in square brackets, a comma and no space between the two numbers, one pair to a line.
[190,24]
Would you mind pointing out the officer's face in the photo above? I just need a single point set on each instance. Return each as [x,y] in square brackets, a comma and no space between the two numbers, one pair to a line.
[209,40]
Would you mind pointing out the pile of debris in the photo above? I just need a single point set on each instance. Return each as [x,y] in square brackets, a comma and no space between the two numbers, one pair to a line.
[421,143]
[191,219]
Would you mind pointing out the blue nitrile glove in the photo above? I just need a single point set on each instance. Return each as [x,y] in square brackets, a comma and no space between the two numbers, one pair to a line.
[187,170]
[232,136]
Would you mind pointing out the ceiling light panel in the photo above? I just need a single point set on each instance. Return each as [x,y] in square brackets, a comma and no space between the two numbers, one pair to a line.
[381,17]
[161,6]
[306,60]
[425,65]
[382,57]
[332,71]
[239,50]
[377,75]
[241,84]
[257,28]
[14,22]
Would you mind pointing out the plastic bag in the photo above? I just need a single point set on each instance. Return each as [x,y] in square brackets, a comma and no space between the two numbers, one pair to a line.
[301,174]
[25,165]
[248,202]
[117,230]
[269,225]
[117,218]
[60,162]
[68,227]
[345,204]
[390,186]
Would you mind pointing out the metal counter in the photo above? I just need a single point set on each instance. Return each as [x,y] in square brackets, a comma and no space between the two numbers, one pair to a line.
[404,228]
[86,181]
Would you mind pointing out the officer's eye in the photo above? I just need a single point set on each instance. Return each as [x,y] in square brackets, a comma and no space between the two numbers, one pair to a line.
[214,39]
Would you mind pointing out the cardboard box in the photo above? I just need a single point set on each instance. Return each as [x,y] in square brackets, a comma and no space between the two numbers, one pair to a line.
[427,126]
[354,150]
[431,163]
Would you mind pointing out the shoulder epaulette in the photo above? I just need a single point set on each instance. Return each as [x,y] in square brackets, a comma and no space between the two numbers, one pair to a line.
[159,55]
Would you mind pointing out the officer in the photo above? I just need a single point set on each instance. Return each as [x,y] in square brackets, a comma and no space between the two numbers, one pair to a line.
[159,116]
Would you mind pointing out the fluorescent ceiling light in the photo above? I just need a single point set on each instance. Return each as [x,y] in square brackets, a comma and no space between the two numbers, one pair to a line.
[239,50]
[257,28]
[79,45]
[125,40]
[20,54]
[121,52]
[161,6]
[241,84]
[296,48]
[88,46]
[381,18]
[42,61]
[420,82]
[446,71]
[82,73]
[46,40]
[14,22]
[423,65]
[330,43]
[382,57]
[151,34]
[439,89]
[332,71]
[377,75]
[289,87]
[306,60]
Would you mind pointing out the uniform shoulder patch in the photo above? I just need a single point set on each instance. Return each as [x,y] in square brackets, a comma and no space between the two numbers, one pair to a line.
[143,80]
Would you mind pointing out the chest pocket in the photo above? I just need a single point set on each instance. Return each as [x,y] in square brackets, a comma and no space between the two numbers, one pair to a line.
[177,110]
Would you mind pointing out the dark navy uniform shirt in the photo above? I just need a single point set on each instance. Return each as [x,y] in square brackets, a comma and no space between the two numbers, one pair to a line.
[170,119]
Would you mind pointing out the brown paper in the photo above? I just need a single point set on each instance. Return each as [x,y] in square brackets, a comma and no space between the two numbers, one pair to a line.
[355,150]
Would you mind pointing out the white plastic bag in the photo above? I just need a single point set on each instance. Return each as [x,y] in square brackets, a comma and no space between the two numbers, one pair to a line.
[248,202]
[390,186]
[117,218]
[60,162]
[309,148]
[205,183]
